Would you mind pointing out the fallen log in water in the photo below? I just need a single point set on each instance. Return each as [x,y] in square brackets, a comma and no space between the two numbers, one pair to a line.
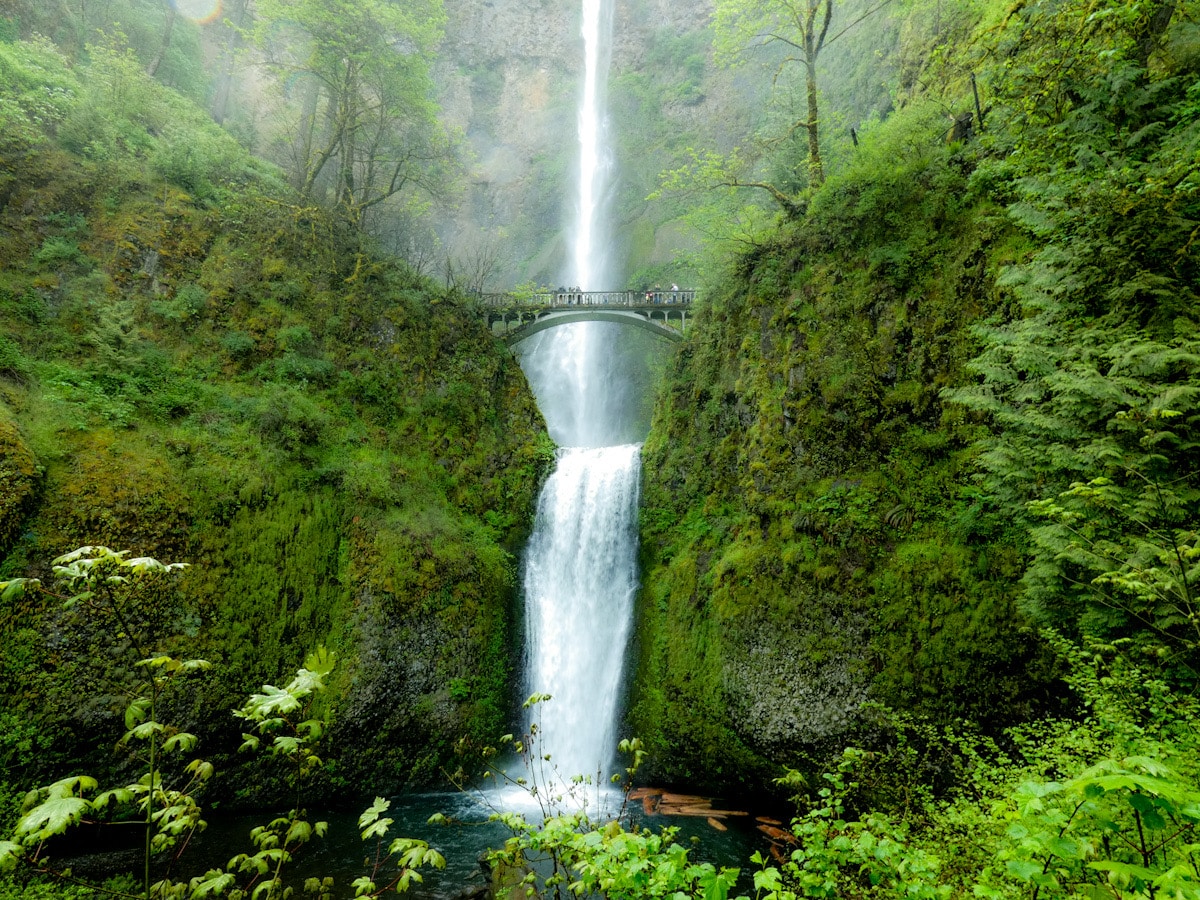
[643,792]
[656,801]
[777,834]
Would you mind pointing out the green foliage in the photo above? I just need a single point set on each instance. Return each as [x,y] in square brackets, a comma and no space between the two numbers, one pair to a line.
[365,64]
[842,856]
[1089,373]
[409,855]
[248,382]
[97,578]
[282,722]
[39,91]
[188,303]
[1126,826]
[19,479]
[951,402]
[1105,806]
[238,344]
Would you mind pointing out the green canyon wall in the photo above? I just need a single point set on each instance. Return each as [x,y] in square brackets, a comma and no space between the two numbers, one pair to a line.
[947,403]
[197,367]
[813,542]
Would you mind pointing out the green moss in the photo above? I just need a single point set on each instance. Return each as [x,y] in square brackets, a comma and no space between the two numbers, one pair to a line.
[19,480]
[809,514]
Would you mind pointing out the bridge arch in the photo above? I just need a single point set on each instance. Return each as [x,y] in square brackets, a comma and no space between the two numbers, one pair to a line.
[553,320]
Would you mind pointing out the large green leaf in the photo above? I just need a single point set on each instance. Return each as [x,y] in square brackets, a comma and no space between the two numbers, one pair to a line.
[52,817]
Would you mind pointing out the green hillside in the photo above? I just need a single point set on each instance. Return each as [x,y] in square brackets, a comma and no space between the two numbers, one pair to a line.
[198,366]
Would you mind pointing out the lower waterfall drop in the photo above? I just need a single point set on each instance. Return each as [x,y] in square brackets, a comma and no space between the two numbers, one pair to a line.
[580,582]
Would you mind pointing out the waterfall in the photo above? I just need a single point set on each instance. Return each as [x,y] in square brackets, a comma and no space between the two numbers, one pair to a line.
[580,568]
[580,572]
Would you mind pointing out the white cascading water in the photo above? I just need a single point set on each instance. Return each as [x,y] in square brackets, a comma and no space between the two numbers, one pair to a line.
[580,580]
[595,157]
[581,565]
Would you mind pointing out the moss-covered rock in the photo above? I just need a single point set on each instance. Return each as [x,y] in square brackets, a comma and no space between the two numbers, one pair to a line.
[19,479]
[812,538]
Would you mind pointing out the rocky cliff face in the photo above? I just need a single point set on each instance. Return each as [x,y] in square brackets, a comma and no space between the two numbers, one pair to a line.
[508,85]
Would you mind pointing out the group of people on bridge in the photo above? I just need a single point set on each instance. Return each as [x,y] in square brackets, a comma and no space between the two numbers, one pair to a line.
[574,296]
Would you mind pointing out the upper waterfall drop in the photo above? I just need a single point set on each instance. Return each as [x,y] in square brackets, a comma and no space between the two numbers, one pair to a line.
[590,262]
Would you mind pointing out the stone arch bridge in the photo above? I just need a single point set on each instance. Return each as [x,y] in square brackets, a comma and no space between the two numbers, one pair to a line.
[518,316]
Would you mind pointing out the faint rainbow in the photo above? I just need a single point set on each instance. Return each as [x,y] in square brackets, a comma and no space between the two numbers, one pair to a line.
[202,12]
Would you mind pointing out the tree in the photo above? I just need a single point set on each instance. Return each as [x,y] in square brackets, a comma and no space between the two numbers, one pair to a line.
[165,43]
[232,31]
[708,170]
[366,129]
[802,26]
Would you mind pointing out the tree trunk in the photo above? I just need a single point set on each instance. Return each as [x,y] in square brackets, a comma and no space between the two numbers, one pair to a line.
[1152,29]
[220,107]
[303,153]
[816,171]
[346,177]
[168,27]
[814,40]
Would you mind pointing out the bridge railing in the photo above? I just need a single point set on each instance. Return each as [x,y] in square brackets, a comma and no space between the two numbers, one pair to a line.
[569,298]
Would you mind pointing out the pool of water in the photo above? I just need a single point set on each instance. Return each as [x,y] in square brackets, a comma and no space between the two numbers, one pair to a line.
[342,855]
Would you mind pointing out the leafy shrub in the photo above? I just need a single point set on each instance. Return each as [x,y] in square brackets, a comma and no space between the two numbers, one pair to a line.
[26,305]
[86,397]
[37,89]
[297,338]
[304,369]
[291,419]
[196,160]
[188,303]
[58,251]
[238,344]
[12,360]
